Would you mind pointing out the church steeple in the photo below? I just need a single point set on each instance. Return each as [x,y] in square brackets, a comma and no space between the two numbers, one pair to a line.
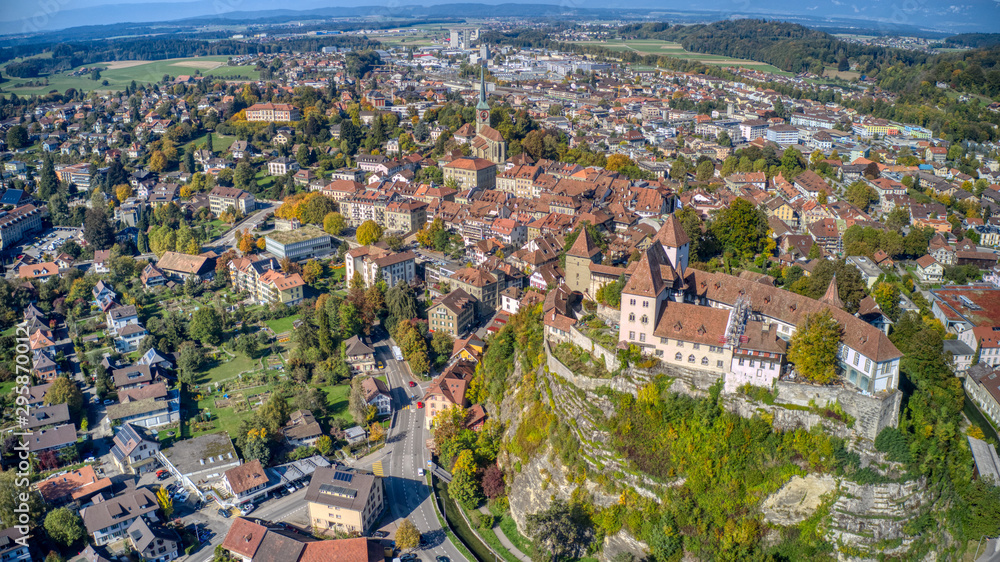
[482,108]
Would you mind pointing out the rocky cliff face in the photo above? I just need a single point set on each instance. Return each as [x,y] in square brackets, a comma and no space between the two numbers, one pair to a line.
[866,517]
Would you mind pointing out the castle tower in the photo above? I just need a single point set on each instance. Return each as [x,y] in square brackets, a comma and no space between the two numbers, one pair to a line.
[832,296]
[675,243]
[482,108]
[578,259]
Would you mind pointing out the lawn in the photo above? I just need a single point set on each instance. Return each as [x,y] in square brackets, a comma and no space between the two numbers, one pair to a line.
[670,49]
[121,73]
[6,387]
[264,181]
[227,369]
[220,143]
[337,397]
[282,325]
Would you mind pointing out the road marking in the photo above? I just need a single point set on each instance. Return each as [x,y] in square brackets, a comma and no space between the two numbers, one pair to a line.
[377,469]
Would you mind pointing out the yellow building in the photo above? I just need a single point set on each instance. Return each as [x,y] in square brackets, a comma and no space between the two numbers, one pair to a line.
[344,500]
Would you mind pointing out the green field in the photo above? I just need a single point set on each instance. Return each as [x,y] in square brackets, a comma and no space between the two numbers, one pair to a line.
[221,370]
[220,143]
[670,49]
[282,325]
[121,73]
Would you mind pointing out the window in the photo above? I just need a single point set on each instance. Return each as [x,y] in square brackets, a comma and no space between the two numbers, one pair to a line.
[690,358]
[857,358]
[697,346]
[719,364]
[868,365]
[664,341]
[631,335]
[644,319]
[680,343]
[659,353]
[642,337]
[631,317]
[645,304]
[751,363]
[704,360]
[631,302]
[678,357]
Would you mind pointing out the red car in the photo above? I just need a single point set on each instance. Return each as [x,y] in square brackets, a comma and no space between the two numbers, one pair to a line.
[412,384]
[420,405]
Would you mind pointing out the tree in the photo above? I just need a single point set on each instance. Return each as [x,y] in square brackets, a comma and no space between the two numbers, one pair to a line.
[11,509]
[464,486]
[369,233]
[158,161]
[395,242]
[206,325]
[166,502]
[401,302]
[334,223]
[324,445]
[861,195]
[706,170]
[17,137]
[189,360]
[243,176]
[256,445]
[48,183]
[886,295]
[814,348]
[493,484]
[618,161]
[375,432]
[560,531]
[356,403]
[741,227]
[65,391]
[64,526]
[97,230]
[407,535]
[442,343]
[123,191]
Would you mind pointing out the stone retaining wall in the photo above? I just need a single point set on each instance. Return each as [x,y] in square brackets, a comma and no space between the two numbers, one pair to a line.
[872,413]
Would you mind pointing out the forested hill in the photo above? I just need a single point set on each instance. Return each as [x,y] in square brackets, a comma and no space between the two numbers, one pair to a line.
[795,48]
[788,46]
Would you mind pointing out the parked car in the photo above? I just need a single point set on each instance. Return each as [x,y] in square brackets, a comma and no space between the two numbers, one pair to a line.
[420,472]
[223,513]
[246,509]
[162,474]
[380,535]
[409,556]
[108,402]
[442,559]
[380,365]
[412,384]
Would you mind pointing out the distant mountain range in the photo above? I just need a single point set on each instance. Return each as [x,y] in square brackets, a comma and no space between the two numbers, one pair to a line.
[886,16]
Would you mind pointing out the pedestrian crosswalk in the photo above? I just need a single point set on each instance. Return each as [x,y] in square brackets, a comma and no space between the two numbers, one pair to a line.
[377,469]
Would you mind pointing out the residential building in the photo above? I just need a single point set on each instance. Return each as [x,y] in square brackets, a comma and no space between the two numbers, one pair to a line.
[249,541]
[134,450]
[14,545]
[73,486]
[482,284]
[448,389]
[300,244]
[52,439]
[153,541]
[377,394]
[344,500]
[982,383]
[184,266]
[405,216]
[223,199]
[359,355]
[245,481]
[869,271]
[40,271]
[929,270]
[378,262]
[281,166]
[302,429]
[109,520]
[452,313]
[153,407]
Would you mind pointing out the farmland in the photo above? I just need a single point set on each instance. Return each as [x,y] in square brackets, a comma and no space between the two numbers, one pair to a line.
[119,74]
[670,49]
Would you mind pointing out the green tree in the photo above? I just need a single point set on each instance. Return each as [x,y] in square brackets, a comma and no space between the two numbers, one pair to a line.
[65,391]
[814,348]
[706,170]
[442,343]
[350,320]
[11,502]
[334,223]
[561,531]
[97,229]
[407,536]
[886,295]
[401,302]
[206,325]
[356,403]
[741,227]
[17,137]
[464,486]
[861,195]
[369,233]
[324,445]
[190,358]
[243,175]
[64,526]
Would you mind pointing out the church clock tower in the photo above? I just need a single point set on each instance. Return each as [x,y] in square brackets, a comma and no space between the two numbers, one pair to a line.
[482,108]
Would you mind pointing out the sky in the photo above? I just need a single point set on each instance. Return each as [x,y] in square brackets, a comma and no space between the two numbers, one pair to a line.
[954,16]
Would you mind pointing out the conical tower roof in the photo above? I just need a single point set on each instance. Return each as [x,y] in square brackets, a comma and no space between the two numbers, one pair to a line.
[832,296]
[482,90]
[584,246]
[672,234]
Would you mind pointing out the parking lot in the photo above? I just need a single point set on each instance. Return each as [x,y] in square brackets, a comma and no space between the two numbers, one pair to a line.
[46,243]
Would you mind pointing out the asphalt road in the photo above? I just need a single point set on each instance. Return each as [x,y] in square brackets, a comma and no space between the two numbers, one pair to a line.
[408,494]
[228,240]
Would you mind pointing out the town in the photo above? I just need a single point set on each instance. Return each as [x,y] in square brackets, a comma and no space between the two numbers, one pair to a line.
[448,292]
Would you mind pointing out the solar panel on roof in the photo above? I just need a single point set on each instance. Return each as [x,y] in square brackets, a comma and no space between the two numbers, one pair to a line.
[343,476]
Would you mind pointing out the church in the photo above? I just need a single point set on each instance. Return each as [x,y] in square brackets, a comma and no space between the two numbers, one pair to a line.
[487,143]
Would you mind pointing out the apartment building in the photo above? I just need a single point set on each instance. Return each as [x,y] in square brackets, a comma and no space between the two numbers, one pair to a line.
[453,313]
[299,244]
[222,199]
[471,173]
[378,262]
[18,223]
[344,500]
[405,216]
[108,521]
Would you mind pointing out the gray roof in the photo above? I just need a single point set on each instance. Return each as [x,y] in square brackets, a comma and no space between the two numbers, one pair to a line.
[123,507]
[985,457]
[48,438]
[48,415]
[202,453]
[123,312]
[133,374]
[342,487]
[356,346]
[142,535]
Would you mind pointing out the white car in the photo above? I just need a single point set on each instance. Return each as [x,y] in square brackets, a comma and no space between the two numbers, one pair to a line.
[420,472]
[246,509]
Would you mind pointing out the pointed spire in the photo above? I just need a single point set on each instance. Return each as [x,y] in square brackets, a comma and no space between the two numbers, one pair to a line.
[832,296]
[672,234]
[482,90]
[584,246]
